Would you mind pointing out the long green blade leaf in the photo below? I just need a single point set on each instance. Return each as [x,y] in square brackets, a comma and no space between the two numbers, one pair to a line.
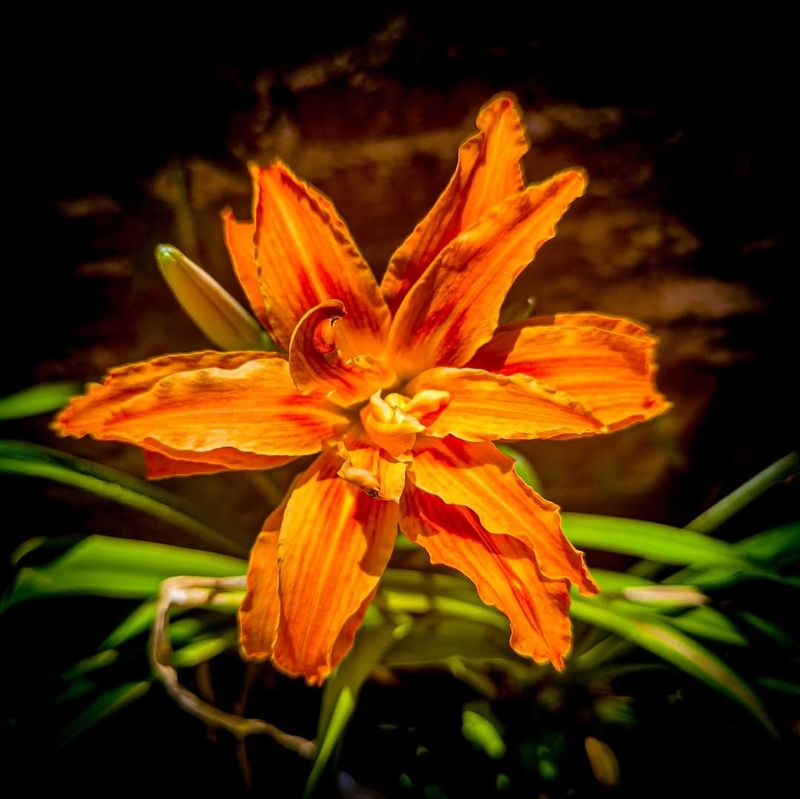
[44,398]
[712,518]
[106,704]
[118,567]
[676,648]
[17,457]
[341,694]
[657,542]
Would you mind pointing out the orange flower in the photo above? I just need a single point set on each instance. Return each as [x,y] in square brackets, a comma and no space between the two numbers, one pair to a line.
[401,388]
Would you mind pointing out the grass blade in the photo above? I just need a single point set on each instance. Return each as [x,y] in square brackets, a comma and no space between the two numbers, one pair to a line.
[118,567]
[715,516]
[103,706]
[44,398]
[656,542]
[20,458]
[673,646]
[341,694]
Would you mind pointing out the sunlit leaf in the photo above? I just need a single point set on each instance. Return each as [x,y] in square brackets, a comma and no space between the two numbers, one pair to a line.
[44,398]
[20,458]
[118,567]
[656,542]
[673,646]
[203,649]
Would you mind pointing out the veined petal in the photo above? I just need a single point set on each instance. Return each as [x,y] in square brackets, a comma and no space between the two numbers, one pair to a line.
[371,469]
[240,239]
[305,255]
[454,307]
[260,609]
[485,406]
[334,545]
[168,462]
[320,360]
[482,478]
[605,363]
[503,569]
[203,403]
[488,171]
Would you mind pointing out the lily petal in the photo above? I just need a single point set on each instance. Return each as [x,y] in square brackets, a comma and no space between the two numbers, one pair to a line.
[260,609]
[334,545]
[240,239]
[454,307]
[484,479]
[372,469]
[167,462]
[318,359]
[305,255]
[488,171]
[605,363]
[203,403]
[484,406]
[503,569]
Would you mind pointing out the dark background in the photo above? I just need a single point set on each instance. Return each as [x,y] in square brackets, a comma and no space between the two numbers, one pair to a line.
[128,132]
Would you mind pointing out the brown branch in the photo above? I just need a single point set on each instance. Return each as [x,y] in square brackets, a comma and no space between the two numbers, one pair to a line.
[195,592]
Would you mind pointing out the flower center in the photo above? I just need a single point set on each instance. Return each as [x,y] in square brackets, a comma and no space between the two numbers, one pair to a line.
[392,422]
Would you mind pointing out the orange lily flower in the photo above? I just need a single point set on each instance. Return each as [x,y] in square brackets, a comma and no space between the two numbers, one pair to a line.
[401,388]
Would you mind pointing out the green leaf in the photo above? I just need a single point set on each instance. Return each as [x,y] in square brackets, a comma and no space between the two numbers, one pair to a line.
[772,549]
[483,732]
[706,622]
[20,458]
[341,694]
[767,628]
[718,514]
[673,646]
[204,649]
[430,584]
[656,542]
[783,686]
[138,622]
[436,638]
[612,582]
[778,546]
[94,662]
[44,398]
[118,567]
[105,705]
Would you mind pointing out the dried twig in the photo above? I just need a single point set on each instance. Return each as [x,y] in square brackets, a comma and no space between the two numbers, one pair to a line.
[194,592]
